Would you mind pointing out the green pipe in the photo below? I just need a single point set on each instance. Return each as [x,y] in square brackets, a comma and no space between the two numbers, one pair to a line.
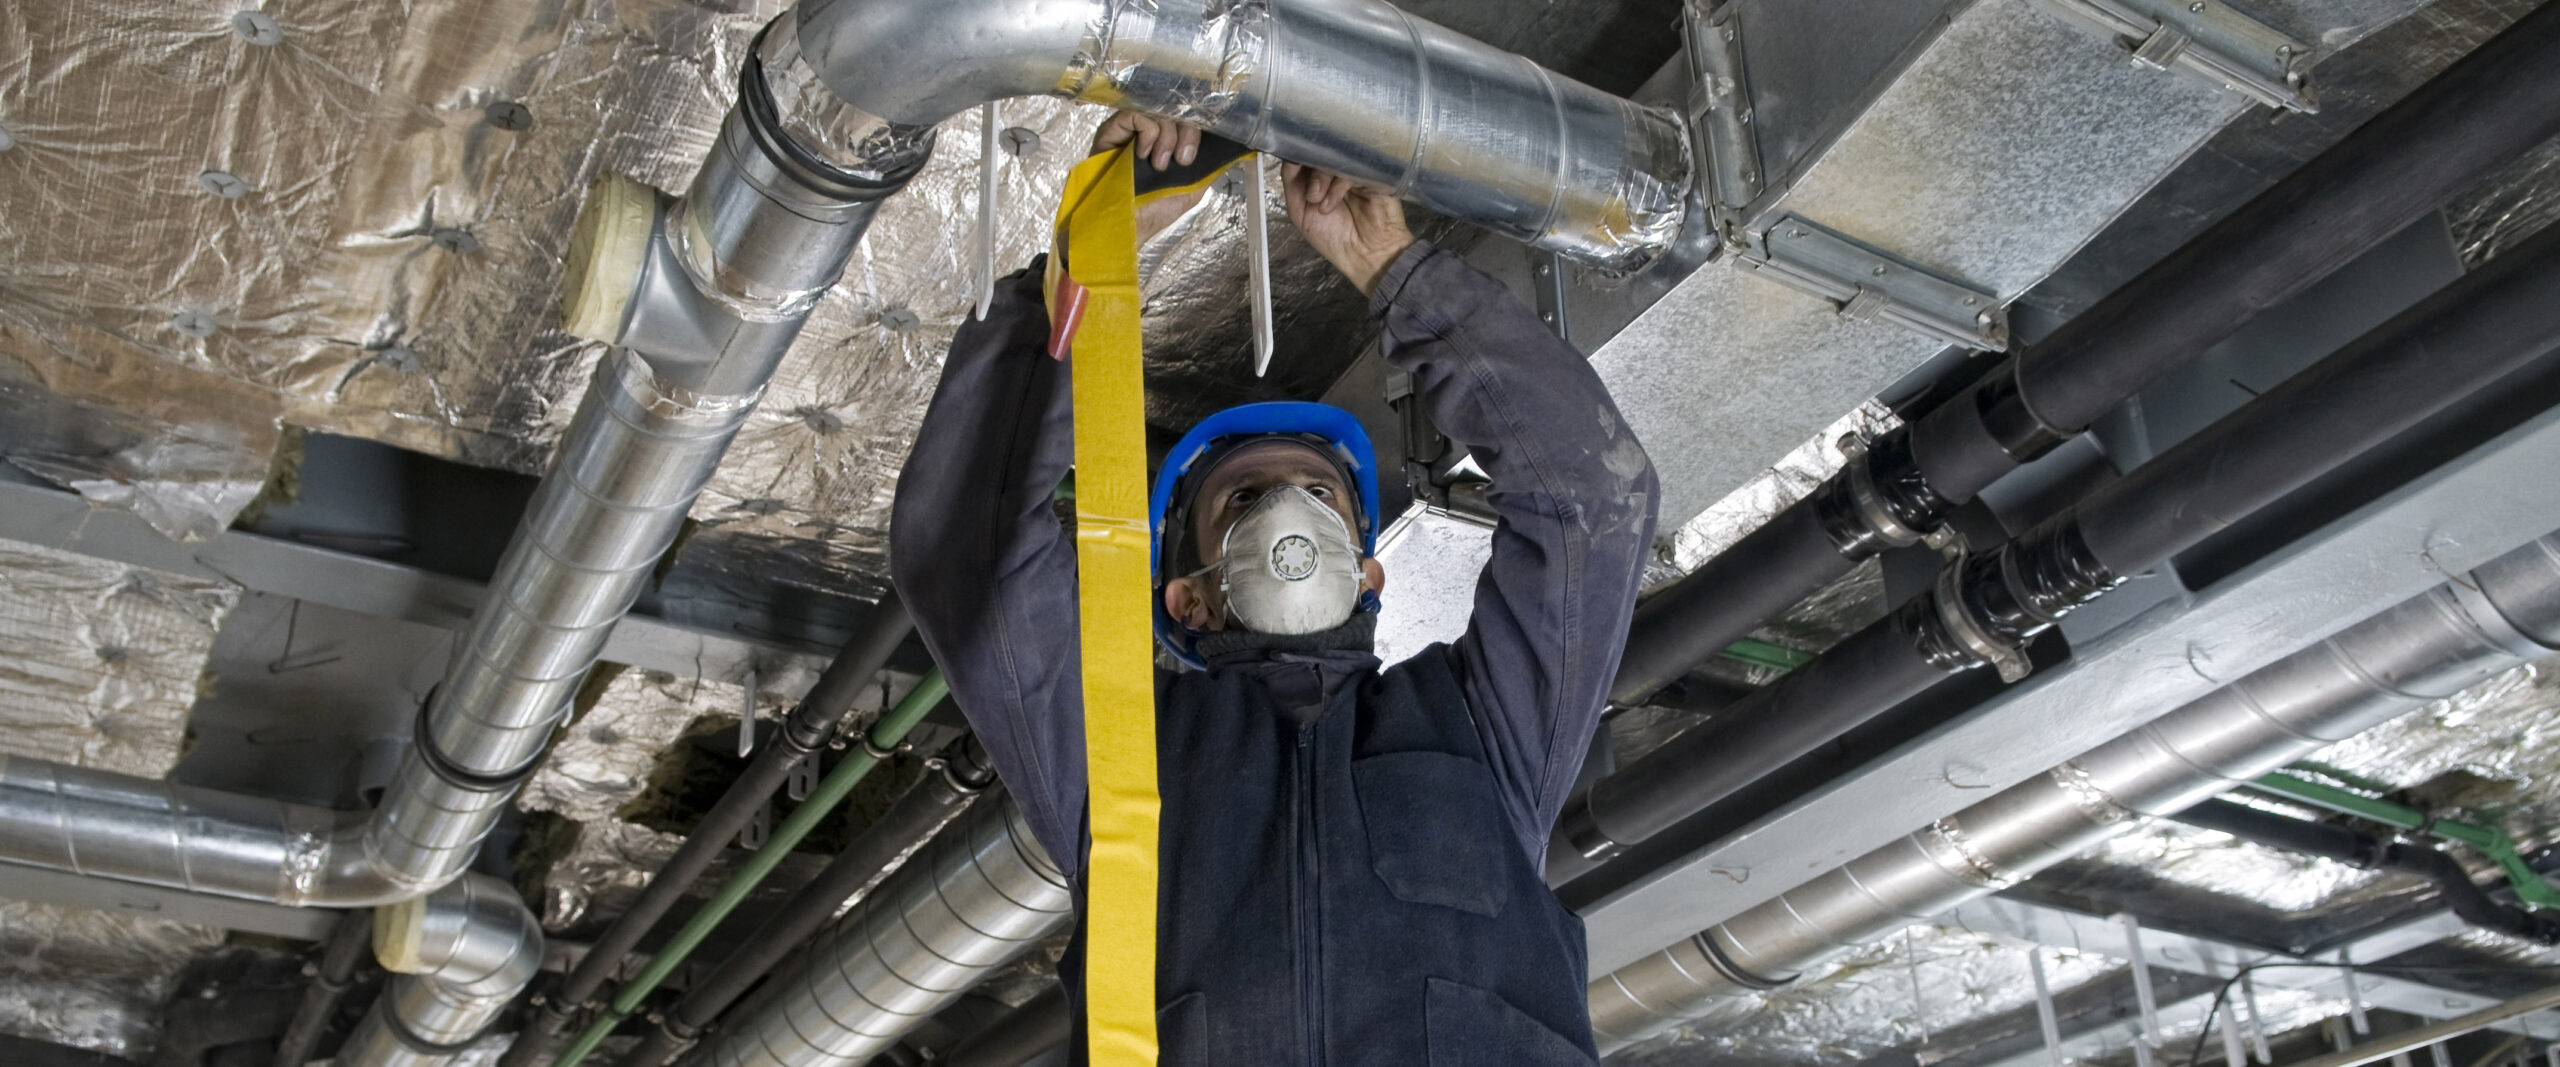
[1763,654]
[2532,890]
[831,791]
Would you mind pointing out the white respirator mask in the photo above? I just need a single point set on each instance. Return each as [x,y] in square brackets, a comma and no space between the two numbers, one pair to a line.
[1290,565]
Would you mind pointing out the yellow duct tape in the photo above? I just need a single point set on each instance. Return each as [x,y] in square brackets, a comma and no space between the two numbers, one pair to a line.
[1098,216]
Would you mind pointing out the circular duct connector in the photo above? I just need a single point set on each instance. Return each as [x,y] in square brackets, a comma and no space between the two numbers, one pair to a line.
[605,254]
[400,936]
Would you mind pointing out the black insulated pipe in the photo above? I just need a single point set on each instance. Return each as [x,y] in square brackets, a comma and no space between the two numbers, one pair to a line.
[2447,136]
[2363,851]
[338,959]
[960,773]
[1040,1024]
[1983,610]
[808,727]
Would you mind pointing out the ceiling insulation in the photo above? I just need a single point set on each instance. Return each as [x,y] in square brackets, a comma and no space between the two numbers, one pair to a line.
[100,662]
[91,979]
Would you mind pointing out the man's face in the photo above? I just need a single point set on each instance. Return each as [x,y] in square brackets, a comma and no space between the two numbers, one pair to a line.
[1229,491]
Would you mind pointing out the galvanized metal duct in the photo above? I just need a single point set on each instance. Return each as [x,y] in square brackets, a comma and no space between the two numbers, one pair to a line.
[462,953]
[704,295]
[982,893]
[2429,647]
[1353,86]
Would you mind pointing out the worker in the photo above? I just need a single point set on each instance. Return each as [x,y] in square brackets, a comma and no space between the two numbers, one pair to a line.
[1349,855]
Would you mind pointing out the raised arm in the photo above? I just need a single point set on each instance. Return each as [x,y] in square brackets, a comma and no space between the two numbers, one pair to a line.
[981,559]
[1575,495]
[984,565]
[1573,489]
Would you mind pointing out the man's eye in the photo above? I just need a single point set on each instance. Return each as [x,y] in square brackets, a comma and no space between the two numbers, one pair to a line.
[1320,492]
[1242,498]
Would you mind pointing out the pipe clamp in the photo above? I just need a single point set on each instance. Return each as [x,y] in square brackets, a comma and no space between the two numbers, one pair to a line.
[1976,638]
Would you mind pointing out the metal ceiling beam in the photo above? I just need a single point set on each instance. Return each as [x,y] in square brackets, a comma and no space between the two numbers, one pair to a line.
[2471,510]
[42,886]
[65,521]
[2062,928]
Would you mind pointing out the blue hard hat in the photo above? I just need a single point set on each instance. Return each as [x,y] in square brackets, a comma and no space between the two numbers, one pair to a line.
[1330,429]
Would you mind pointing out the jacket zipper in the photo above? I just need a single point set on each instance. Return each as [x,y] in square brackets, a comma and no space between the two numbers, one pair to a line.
[1308,881]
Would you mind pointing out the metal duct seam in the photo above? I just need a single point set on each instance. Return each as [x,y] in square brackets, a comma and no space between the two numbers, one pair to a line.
[981,894]
[2432,646]
[462,953]
[1353,86]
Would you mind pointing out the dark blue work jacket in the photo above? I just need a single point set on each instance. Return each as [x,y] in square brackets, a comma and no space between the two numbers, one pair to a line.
[1350,855]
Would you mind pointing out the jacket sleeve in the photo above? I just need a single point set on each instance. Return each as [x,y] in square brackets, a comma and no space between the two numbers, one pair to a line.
[1575,496]
[986,569]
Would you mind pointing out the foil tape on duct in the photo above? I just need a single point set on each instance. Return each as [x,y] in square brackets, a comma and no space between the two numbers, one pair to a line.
[91,979]
[100,662]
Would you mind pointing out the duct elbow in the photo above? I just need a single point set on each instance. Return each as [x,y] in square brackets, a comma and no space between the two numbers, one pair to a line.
[923,63]
[1352,86]
[463,953]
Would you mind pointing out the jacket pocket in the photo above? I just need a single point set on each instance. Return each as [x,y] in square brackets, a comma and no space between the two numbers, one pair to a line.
[1436,834]
[1182,1032]
[1469,1027]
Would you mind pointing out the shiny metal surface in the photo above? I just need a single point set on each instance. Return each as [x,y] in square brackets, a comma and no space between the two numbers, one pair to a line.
[2001,139]
[1353,86]
[475,947]
[2435,645]
[979,895]
[637,454]
[116,826]
[2469,512]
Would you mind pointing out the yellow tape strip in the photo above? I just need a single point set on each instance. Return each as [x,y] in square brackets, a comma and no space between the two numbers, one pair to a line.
[1098,215]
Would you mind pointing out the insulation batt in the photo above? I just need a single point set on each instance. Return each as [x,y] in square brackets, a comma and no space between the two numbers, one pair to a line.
[91,979]
[99,661]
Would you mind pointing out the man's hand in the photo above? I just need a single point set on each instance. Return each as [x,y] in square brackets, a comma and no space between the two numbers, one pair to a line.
[1161,144]
[1359,229]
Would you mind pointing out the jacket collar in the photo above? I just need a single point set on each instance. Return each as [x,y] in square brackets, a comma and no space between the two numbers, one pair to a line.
[1302,671]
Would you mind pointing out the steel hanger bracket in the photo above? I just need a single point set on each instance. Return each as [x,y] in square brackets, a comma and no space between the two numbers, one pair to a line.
[2205,39]
[1871,286]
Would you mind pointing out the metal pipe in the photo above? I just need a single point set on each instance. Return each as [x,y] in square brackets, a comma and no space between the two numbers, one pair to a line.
[2432,646]
[1353,86]
[764,229]
[2530,886]
[1040,1024]
[808,728]
[984,894]
[884,737]
[2433,1033]
[2445,137]
[462,953]
[329,982]
[1983,610]
[956,777]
